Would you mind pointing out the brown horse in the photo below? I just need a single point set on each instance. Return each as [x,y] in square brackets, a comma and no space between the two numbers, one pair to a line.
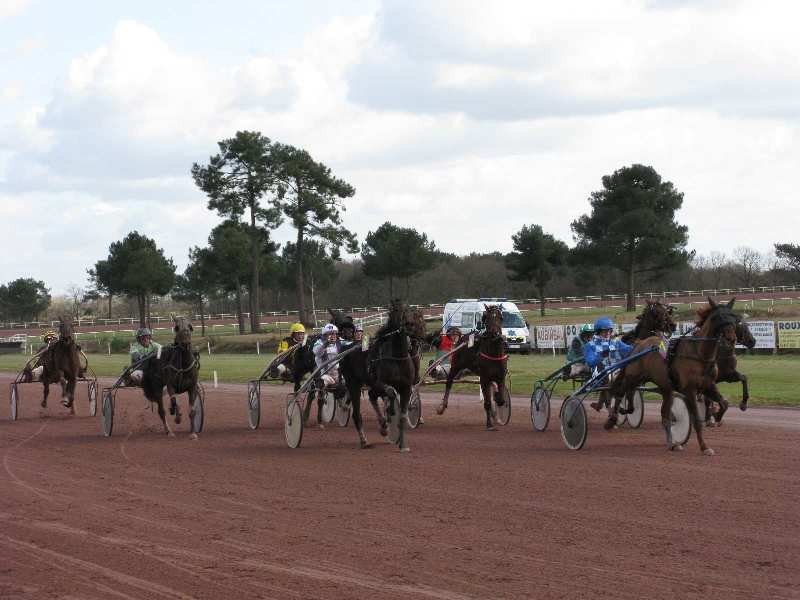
[655,320]
[487,358]
[177,369]
[690,368]
[392,372]
[727,373]
[62,364]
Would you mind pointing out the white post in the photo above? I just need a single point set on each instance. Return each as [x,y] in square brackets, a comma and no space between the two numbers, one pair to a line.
[258,348]
[215,379]
[109,348]
[208,343]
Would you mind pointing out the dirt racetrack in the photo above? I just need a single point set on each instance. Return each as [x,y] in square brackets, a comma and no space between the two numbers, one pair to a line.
[467,514]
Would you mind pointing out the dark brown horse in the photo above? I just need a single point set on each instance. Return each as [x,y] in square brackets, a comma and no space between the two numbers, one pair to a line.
[487,358]
[62,364]
[177,370]
[690,368]
[727,373]
[392,367]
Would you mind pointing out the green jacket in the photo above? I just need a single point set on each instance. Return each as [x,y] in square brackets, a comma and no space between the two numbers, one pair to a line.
[138,351]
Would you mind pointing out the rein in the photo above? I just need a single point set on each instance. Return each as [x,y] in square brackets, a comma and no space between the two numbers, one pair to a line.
[497,358]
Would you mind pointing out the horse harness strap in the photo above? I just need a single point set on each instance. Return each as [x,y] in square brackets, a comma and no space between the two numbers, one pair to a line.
[496,358]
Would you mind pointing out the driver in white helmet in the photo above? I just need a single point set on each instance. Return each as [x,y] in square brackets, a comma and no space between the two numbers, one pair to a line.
[142,348]
[326,348]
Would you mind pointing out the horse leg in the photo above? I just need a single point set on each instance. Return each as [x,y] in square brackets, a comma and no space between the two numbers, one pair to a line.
[614,410]
[450,376]
[373,399]
[70,391]
[691,404]
[354,392]
[163,415]
[173,404]
[487,389]
[192,397]
[405,395]
[713,392]
[745,392]
[666,419]
[46,392]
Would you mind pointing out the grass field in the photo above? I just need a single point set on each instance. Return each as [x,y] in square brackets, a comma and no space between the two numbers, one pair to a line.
[774,380]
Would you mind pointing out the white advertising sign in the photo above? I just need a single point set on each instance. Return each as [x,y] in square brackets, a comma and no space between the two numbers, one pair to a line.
[764,332]
[550,336]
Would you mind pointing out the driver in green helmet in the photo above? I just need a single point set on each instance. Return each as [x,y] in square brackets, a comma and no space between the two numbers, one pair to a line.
[575,352]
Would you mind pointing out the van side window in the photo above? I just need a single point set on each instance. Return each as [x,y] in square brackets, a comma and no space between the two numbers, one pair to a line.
[467,320]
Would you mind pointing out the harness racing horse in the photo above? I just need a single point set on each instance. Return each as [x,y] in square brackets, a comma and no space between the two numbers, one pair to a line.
[62,364]
[727,373]
[655,320]
[690,367]
[392,367]
[177,369]
[487,358]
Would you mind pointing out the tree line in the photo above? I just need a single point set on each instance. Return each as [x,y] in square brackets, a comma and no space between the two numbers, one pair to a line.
[629,239]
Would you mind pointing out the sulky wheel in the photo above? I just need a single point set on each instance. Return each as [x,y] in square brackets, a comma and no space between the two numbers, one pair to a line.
[107,410]
[503,412]
[92,391]
[573,423]
[681,423]
[540,408]
[293,422]
[328,406]
[414,416]
[636,406]
[198,419]
[343,410]
[14,401]
[253,404]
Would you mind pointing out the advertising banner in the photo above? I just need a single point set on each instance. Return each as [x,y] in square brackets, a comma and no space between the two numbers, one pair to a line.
[550,336]
[764,332]
[788,334]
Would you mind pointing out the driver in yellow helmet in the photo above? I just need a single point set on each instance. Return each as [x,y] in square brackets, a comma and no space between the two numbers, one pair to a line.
[297,335]
[34,372]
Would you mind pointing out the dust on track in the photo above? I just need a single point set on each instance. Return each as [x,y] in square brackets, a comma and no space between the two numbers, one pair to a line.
[468,514]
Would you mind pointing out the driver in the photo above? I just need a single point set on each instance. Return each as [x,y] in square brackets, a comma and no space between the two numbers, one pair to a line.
[326,348]
[444,345]
[141,348]
[34,373]
[603,350]
[297,335]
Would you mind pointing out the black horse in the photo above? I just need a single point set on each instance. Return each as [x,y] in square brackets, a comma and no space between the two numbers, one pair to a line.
[177,368]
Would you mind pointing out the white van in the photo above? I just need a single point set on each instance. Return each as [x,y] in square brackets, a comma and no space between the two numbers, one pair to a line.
[466,313]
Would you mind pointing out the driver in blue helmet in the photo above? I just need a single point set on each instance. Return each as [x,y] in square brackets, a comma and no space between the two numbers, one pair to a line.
[603,350]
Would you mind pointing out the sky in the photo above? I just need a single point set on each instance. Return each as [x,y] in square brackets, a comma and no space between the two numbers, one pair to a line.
[465,120]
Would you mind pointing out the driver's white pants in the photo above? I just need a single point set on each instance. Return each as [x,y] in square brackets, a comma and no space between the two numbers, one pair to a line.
[136,376]
[37,373]
[329,380]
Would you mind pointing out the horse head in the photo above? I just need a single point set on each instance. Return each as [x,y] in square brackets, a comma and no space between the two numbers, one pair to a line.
[493,319]
[723,320]
[65,330]
[415,324]
[657,318]
[183,331]
[397,315]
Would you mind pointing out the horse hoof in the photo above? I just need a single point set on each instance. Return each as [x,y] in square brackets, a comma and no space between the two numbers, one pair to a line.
[677,448]
[384,432]
[405,449]
[708,452]
[365,446]
[321,426]
[491,428]
[743,406]
[193,436]
[610,424]
[170,434]
[440,410]
[596,405]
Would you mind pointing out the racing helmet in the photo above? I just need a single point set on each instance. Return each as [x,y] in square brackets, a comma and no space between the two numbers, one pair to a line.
[586,329]
[50,333]
[603,323]
[329,329]
[143,331]
[453,330]
[297,328]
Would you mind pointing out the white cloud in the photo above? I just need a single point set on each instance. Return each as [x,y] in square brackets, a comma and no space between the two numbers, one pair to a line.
[9,8]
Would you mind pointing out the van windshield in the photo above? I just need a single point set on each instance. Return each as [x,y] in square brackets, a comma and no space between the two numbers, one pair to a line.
[513,319]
